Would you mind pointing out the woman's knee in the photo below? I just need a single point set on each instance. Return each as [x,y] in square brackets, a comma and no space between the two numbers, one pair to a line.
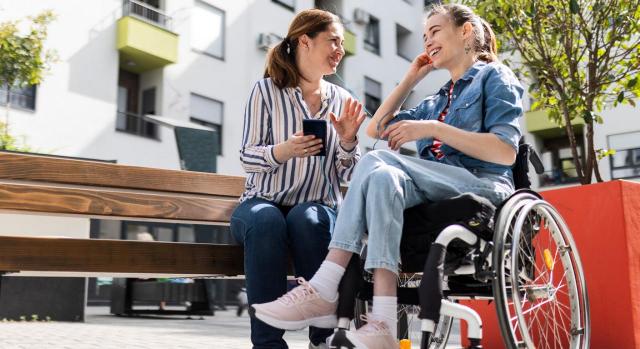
[310,220]
[259,220]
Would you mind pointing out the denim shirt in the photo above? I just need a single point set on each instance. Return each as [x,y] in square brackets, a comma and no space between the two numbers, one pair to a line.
[487,98]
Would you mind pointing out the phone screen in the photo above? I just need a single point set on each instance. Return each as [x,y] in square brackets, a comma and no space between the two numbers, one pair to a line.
[317,128]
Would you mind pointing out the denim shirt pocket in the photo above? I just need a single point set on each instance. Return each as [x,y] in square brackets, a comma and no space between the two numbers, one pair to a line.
[468,111]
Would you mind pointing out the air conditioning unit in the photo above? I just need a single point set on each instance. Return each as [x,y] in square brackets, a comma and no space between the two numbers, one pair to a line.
[360,16]
[267,40]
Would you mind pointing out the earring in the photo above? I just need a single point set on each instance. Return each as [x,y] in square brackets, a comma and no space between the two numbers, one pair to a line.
[467,48]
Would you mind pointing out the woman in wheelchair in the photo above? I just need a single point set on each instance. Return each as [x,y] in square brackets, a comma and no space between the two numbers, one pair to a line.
[467,135]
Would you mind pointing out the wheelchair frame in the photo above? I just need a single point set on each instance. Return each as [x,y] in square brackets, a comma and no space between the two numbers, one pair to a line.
[520,221]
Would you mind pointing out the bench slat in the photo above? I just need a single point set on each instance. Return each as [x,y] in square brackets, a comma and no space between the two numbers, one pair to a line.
[118,256]
[83,172]
[92,202]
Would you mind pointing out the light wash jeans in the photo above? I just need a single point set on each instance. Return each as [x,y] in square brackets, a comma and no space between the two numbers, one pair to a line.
[383,185]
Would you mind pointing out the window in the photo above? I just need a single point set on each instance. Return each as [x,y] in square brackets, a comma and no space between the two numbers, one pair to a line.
[289,4]
[372,95]
[372,35]
[129,117]
[625,163]
[405,48]
[558,161]
[20,97]
[207,30]
[209,113]
[431,3]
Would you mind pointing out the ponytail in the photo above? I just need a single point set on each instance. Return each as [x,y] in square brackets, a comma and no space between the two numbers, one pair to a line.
[281,64]
[489,50]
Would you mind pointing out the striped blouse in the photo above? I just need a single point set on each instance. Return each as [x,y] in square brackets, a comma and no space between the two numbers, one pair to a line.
[272,115]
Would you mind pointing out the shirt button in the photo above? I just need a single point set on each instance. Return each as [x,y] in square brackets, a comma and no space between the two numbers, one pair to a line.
[454,96]
[466,105]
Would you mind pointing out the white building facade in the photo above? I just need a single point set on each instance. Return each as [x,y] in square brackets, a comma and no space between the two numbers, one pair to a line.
[195,61]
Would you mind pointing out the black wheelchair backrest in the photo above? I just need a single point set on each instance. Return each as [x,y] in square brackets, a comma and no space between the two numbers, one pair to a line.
[520,168]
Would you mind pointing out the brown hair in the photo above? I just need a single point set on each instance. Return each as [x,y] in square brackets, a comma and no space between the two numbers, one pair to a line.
[281,60]
[484,43]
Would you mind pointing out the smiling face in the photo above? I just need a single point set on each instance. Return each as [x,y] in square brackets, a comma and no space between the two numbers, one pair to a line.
[325,50]
[443,41]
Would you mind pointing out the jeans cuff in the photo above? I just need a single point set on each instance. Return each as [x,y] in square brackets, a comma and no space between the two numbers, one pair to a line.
[353,248]
[370,265]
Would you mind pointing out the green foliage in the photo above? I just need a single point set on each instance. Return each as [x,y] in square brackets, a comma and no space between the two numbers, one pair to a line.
[579,56]
[9,142]
[23,62]
[23,59]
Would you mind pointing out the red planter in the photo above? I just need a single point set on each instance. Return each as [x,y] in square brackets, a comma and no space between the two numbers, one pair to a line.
[604,219]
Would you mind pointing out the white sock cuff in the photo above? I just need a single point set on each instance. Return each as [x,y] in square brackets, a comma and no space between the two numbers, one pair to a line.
[336,268]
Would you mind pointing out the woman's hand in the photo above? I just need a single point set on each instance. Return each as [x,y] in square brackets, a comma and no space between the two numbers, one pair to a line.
[298,146]
[407,131]
[349,122]
[420,67]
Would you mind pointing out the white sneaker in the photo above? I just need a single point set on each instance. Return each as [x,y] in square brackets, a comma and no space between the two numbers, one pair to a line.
[297,309]
[374,335]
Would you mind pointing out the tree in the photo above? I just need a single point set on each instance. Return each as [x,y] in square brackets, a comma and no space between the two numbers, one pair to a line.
[582,56]
[23,61]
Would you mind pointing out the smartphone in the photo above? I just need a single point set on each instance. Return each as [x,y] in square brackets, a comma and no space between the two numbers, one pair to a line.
[317,128]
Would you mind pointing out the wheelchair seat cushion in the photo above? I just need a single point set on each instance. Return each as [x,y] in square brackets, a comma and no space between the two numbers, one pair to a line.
[424,222]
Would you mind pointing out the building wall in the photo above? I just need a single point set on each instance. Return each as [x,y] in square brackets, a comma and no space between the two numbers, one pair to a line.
[76,104]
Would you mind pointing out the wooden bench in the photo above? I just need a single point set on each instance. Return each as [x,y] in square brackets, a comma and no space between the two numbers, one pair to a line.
[32,184]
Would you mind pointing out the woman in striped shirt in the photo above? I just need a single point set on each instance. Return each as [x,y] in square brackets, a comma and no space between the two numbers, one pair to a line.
[467,136]
[292,193]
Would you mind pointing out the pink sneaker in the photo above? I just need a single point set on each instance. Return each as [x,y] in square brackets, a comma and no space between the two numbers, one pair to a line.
[374,335]
[297,309]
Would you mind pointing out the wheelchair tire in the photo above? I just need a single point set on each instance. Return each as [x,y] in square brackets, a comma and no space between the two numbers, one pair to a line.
[534,250]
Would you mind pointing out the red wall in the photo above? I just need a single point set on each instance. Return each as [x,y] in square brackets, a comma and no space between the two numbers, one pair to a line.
[604,219]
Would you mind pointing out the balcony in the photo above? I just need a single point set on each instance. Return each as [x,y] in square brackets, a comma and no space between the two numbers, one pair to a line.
[538,123]
[144,38]
[349,43]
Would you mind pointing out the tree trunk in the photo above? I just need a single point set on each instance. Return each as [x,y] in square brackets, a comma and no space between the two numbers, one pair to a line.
[572,142]
[7,106]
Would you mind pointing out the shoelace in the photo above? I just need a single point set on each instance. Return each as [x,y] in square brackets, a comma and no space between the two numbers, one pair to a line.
[299,293]
[373,325]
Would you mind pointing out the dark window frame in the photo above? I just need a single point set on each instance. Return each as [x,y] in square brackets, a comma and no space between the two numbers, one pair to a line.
[369,97]
[285,5]
[373,46]
[633,151]
[224,34]
[216,127]
[30,97]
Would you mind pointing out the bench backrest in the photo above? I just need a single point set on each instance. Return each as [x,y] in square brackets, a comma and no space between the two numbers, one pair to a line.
[64,186]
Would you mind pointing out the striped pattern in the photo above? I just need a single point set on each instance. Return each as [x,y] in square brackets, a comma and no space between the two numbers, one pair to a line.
[272,115]
[435,148]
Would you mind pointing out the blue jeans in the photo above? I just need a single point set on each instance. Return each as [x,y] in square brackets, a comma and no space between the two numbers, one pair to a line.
[383,185]
[270,233]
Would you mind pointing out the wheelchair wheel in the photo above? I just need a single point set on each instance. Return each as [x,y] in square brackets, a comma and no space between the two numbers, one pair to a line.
[540,290]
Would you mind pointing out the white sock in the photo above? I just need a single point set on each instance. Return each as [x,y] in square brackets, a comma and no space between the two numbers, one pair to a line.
[386,309]
[326,280]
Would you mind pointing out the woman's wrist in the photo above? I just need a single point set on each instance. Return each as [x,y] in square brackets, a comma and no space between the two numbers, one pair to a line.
[349,144]
[281,152]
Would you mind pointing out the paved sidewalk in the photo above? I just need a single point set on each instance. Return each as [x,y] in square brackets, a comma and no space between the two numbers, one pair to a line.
[101,330]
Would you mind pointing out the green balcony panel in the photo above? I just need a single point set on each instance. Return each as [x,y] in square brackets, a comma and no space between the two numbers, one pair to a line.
[349,43]
[144,46]
[538,123]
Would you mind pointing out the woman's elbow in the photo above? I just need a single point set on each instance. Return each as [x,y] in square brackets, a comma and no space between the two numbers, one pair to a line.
[508,157]
[371,129]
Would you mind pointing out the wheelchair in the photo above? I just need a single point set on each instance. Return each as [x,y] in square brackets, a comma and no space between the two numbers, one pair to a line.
[520,255]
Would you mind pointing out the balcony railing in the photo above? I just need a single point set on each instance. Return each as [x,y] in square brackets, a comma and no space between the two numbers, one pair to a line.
[136,124]
[146,13]
[559,177]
